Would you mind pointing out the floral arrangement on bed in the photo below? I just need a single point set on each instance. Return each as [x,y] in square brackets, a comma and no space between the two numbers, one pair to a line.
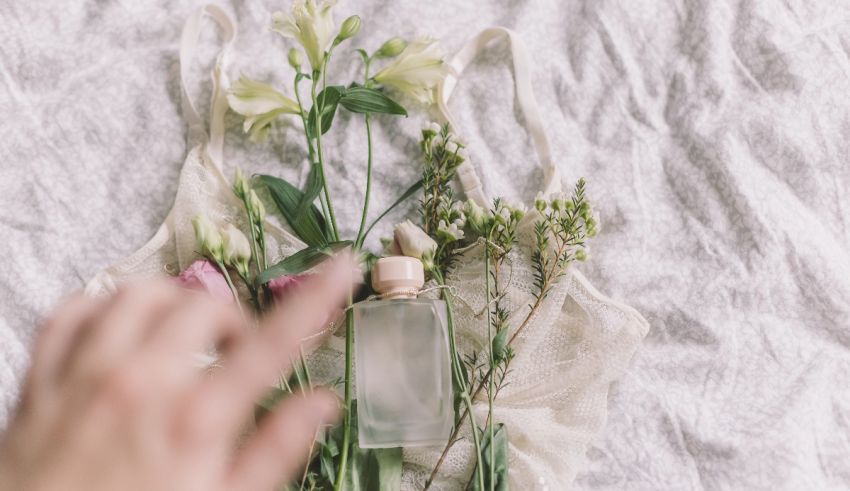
[236,265]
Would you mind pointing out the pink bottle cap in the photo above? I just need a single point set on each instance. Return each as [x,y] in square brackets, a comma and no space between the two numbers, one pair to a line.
[398,276]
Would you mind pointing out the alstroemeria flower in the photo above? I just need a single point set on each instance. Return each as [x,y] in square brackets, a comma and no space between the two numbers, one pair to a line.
[207,237]
[311,24]
[205,276]
[261,104]
[416,71]
[283,286]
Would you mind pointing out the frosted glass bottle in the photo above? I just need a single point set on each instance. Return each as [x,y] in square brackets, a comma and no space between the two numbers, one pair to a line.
[403,372]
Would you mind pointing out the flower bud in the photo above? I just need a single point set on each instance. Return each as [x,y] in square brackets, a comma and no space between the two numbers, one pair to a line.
[540,204]
[236,250]
[581,255]
[557,204]
[294,58]
[240,185]
[451,147]
[430,131]
[350,28]
[257,208]
[392,47]
[413,241]
[207,237]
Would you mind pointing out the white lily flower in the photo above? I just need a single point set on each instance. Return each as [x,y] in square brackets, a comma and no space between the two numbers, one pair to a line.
[416,71]
[311,24]
[413,241]
[236,250]
[261,104]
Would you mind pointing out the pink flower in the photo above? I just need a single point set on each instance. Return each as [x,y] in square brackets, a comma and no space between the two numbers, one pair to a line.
[282,286]
[205,276]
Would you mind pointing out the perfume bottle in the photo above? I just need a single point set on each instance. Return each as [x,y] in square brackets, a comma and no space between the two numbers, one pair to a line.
[403,372]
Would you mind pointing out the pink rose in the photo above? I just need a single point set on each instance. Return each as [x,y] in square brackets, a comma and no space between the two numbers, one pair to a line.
[205,276]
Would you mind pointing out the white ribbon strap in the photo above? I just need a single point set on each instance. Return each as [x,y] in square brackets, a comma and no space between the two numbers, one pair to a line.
[467,174]
[218,105]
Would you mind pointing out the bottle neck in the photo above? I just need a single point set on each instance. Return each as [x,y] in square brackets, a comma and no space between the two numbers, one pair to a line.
[400,292]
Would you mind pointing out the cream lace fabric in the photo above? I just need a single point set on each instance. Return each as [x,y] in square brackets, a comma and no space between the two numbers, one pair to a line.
[574,347]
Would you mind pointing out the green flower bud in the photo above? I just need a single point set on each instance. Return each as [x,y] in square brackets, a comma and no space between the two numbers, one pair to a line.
[430,131]
[584,210]
[570,205]
[581,255]
[517,214]
[350,28]
[540,204]
[294,57]
[557,204]
[257,208]
[240,185]
[393,47]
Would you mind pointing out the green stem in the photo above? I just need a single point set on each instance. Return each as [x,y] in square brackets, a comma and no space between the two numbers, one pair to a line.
[231,286]
[490,357]
[459,379]
[318,131]
[361,232]
[346,424]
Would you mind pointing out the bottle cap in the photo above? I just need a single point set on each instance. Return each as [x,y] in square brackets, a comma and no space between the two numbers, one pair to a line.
[398,276]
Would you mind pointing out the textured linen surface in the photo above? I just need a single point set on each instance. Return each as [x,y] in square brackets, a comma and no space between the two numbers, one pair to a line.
[714,136]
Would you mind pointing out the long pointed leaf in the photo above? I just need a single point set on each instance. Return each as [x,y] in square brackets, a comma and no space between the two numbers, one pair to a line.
[310,226]
[412,189]
[301,261]
[366,100]
[311,189]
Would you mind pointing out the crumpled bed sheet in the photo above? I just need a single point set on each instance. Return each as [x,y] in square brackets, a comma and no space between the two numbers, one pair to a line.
[714,135]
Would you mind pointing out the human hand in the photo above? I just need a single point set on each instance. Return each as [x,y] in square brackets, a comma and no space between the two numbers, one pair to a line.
[113,400]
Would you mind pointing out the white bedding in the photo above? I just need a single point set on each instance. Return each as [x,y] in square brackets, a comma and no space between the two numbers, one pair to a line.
[715,137]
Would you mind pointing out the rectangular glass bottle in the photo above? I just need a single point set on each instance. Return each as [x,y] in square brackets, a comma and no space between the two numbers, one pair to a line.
[403,372]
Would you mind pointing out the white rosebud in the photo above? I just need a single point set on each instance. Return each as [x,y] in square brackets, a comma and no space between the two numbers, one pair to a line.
[413,241]
[449,233]
[416,71]
[311,24]
[236,250]
[208,238]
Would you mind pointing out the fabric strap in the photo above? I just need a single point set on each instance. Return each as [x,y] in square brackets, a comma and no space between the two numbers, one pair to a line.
[218,105]
[468,176]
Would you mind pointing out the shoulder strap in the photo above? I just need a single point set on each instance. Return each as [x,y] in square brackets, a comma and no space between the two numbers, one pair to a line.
[218,105]
[525,97]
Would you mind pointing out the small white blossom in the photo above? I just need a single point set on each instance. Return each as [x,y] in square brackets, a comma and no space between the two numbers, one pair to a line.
[449,233]
[311,24]
[451,147]
[477,217]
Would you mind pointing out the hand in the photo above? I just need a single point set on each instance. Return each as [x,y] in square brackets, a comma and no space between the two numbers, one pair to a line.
[114,401]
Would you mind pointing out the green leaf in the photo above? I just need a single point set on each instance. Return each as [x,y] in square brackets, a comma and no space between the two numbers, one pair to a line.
[499,462]
[301,261]
[499,345]
[365,100]
[327,100]
[311,189]
[310,226]
[372,469]
[410,191]
[363,54]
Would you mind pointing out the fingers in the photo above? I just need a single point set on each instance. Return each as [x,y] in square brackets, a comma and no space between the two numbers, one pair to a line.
[199,324]
[121,327]
[282,443]
[255,364]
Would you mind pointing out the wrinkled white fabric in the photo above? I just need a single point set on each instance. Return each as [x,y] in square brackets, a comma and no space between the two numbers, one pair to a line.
[713,136]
